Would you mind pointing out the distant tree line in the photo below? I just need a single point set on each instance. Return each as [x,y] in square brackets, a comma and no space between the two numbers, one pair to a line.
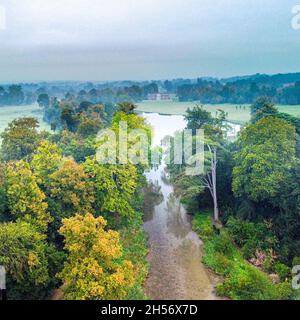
[280,89]
[12,96]
[113,94]
[239,92]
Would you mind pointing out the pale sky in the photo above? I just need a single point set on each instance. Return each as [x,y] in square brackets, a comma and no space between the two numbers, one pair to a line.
[145,39]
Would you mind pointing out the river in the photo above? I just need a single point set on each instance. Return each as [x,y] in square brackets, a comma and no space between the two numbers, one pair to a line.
[176,270]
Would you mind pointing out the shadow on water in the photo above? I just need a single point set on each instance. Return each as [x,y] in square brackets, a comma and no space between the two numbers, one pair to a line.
[153,197]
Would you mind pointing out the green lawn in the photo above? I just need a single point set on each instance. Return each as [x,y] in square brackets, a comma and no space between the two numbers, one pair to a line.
[236,113]
[293,110]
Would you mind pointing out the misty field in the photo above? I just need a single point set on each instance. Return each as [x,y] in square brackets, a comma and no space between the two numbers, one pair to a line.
[236,113]
[9,113]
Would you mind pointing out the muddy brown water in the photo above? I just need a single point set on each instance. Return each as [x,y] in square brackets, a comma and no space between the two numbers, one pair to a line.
[175,251]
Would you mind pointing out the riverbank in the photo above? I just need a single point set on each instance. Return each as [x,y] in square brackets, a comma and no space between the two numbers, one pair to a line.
[241,279]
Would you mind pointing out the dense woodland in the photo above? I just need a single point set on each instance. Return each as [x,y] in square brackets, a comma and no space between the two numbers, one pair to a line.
[70,228]
[251,228]
[281,89]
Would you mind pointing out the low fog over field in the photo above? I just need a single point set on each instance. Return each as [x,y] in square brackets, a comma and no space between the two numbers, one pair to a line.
[9,113]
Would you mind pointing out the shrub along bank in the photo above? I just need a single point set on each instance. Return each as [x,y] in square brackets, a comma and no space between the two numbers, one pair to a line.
[226,253]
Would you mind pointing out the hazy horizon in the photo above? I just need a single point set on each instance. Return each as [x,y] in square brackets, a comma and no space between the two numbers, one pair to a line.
[76,40]
[141,80]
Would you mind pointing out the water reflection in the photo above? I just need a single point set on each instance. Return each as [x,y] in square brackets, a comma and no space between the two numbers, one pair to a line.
[176,271]
[153,197]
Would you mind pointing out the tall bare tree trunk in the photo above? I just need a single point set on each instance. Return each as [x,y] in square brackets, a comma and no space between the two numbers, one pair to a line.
[210,182]
[214,184]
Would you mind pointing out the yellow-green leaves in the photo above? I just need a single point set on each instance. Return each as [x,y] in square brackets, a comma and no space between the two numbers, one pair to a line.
[45,161]
[26,200]
[95,269]
[70,188]
[23,253]
[20,139]
[114,185]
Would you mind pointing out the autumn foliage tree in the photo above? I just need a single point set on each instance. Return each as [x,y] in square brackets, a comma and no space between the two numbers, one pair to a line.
[69,190]
[46,160]
[26,201]
[95,269]
[24,254]
[52,189]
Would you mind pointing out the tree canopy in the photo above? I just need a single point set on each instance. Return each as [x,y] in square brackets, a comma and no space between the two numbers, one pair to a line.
[94,269]
[267,152]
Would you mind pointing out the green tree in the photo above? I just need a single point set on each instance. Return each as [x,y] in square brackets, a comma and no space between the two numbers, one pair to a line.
[15,95]
[208,178]
[75,146]
[133,121]
[197,117]
[69,118]
[43,100]
[3,198]
[114,186]
[214,142]
[265,157]
[88,127]
[84,105]
[262,107]
[127,107]
[20,139]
